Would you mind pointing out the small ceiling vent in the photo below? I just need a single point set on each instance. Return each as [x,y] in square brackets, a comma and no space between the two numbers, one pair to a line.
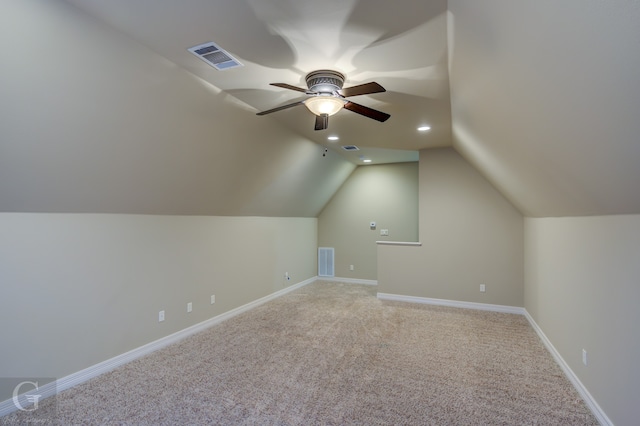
[350,148]
[214,56]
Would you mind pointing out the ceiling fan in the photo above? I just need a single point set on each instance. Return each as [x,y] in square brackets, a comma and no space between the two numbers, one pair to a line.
[327,97]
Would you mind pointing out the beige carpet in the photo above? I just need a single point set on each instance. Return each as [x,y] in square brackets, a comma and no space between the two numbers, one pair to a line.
[332,354]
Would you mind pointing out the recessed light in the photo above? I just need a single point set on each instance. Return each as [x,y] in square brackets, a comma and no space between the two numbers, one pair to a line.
[333,138]
[424,128]
[366,160]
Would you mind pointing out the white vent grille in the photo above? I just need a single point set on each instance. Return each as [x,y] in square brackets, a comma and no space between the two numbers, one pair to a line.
[215,56]
[350,148]
[325,261]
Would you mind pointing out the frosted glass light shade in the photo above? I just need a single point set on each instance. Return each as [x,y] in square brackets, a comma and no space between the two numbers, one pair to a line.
[324,105]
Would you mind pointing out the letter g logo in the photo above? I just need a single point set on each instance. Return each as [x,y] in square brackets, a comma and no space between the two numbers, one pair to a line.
[30,398]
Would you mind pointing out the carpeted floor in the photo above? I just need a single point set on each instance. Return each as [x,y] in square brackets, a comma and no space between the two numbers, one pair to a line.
[333,354]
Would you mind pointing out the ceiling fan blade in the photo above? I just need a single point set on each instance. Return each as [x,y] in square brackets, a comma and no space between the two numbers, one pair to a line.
[322,122]
[366,111]
[280,108]
[362,89]
[290,87]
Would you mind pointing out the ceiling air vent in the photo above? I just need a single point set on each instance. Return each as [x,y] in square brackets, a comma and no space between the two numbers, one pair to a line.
[214,56]
[350,148]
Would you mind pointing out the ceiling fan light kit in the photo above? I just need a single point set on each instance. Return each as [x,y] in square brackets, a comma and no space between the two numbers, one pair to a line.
[327,97]
[324,105]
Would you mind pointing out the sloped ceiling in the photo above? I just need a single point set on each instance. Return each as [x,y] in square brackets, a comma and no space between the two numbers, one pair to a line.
[93,122]
[104,110]
[545,99]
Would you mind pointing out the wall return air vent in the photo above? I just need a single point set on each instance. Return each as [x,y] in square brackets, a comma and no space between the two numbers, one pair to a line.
[325,261]
[214,56]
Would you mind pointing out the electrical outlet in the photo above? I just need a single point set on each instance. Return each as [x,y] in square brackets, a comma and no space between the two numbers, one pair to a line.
[286,275]
[160,316]
[483,288]
[584,356]
[213,299]
[351,267]
[189,307]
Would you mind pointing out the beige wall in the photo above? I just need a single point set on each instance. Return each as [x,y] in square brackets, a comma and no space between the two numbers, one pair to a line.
[78,289]
[386,194]
[470,235]
[582,289]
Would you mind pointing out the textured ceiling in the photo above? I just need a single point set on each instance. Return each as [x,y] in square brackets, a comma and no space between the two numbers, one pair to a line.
[104,109]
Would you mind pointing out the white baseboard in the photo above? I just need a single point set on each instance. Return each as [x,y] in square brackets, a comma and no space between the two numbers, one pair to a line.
[349,280]
[453,303]
[50,389]
[582,390]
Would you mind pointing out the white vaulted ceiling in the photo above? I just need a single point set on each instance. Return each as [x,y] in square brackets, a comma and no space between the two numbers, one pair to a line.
[546,101]
[104,109]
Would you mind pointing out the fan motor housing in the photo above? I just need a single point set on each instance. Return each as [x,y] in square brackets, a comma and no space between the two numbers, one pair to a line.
[324,81]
